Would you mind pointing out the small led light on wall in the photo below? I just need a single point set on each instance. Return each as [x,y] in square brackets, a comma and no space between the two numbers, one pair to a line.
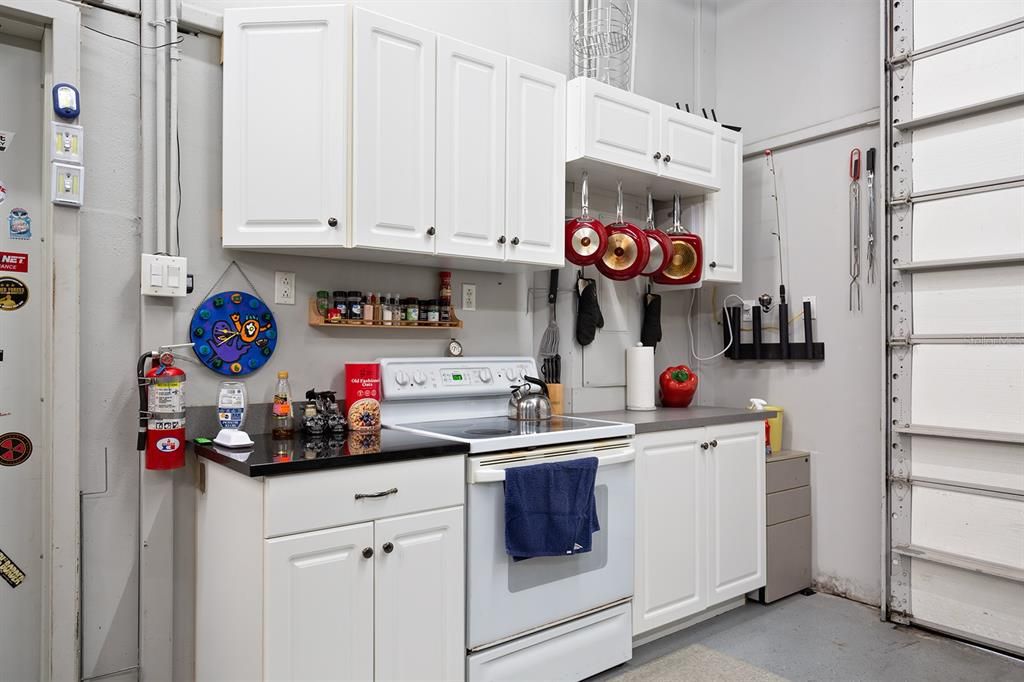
[67,143]
[67,184]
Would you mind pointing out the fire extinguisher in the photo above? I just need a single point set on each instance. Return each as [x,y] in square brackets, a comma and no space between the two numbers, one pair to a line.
[161,410]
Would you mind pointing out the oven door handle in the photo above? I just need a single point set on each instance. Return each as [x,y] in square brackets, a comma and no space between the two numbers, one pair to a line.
[485,475]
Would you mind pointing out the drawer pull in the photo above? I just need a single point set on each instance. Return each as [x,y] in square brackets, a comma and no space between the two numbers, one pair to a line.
[367,552]
[714,443]
[382,493]
[388,548]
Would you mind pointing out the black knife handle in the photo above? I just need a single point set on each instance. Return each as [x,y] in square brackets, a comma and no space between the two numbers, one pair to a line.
[871,161]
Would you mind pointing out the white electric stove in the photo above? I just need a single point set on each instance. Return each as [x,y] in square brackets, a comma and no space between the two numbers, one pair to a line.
[553,618]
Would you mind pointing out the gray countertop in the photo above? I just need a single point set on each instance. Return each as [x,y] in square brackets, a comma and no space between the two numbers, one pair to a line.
[672,418]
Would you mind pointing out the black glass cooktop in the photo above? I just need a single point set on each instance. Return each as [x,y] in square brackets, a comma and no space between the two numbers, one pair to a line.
[482,428]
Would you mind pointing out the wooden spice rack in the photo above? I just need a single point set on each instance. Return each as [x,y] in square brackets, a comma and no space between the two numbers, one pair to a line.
[317,320]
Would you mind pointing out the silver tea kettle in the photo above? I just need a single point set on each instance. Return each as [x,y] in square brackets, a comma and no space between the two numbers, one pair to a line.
[525,405]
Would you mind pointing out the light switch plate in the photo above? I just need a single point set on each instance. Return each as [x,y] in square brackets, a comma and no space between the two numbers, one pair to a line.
[164,275]
[67,143]
[67,184]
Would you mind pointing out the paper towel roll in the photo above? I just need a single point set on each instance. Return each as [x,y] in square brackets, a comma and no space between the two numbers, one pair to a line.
[640,378]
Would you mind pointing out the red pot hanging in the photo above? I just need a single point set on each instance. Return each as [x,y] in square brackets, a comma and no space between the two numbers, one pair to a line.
[627,251]
[659,242]
[585,237]
[687,260]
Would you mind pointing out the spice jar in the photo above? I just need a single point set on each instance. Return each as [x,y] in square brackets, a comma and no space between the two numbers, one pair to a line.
[334,316]
[423,311]
[355,305]
[412,310]
[323,302]
[445,302]
[369,303]
[341,302]
[433,311]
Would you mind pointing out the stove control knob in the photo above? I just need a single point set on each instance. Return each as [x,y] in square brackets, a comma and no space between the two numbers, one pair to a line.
[485,376]
[419,377]
[401,378]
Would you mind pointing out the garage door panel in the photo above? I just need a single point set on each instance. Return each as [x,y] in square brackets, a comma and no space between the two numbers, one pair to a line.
[989,608]
[986,301]
[972,74]
[936,21]
[983,148]
[969,226]
[973,463]
[968,386]
[970,525]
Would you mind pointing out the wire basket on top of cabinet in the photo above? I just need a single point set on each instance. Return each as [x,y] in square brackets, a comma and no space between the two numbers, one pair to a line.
[601,34]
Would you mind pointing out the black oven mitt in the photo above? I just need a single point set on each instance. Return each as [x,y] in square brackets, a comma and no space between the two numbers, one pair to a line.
[588,311]
[650,332]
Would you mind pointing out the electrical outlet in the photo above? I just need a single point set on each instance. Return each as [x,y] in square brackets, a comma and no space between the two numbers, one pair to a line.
[748,307]
[284,288]
[469,297]
[813,300]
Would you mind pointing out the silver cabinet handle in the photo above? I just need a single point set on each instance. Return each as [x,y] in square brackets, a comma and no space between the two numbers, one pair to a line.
[382,493]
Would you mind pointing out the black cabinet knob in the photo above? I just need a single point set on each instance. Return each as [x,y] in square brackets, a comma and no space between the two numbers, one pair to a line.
[431,231]
[367,552]
[657,155]
[515,241]
[704,446]
[714,443]
[501,239]
[667,158]
[713,264]
[388,548]
[333,222]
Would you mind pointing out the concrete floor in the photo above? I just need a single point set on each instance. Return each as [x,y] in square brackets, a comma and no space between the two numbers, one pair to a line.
[816,637]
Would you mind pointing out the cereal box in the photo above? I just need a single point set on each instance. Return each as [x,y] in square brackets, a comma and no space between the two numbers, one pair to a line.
[362,395]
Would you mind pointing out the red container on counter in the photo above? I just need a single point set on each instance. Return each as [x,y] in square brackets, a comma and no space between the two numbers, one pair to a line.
[362,395]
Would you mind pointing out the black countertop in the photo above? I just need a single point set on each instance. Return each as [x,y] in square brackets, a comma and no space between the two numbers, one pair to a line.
[270,457]
[672,418]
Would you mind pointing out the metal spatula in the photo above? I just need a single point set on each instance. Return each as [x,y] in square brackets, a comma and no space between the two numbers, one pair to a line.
[549,341]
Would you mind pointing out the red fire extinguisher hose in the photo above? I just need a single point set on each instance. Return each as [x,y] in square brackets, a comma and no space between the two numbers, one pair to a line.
[140,443]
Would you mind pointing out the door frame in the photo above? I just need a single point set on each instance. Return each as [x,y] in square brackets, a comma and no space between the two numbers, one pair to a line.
[59,227]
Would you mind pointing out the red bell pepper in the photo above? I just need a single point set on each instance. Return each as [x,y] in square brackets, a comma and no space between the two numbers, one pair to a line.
[678,384]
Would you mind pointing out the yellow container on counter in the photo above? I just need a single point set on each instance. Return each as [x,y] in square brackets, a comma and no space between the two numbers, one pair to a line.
[774,423]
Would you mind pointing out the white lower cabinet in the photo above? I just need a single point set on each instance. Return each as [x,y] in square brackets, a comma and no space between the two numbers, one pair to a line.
[366,588]
[699,522]
[318,595]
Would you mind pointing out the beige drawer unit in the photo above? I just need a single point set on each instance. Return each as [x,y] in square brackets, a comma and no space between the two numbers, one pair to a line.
[788,518]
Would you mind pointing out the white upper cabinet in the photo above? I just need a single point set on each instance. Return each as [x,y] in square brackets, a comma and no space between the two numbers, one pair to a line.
[736,510]
[394,72]
[689,147]
[613,125]
[723,233]
[285,127]
[535,179]
[470,183]
[318,601]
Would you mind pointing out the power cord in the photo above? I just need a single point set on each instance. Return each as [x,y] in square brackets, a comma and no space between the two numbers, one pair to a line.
[132,42]
[689,328]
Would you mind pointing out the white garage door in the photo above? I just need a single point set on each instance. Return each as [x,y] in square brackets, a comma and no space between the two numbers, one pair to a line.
[955,106]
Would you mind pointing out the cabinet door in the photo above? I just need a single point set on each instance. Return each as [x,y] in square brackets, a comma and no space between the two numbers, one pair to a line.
[689,148]
[420,633]
[535,223]
[736,510]
[470,150]
[285,126]
[393,134]
[723,226]
[318,596]
[671,523]
[621,127]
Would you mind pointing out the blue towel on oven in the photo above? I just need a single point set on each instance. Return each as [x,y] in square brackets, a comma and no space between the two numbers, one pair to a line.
[550,509]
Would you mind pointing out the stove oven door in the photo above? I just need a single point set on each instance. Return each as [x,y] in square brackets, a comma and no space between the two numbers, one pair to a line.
[506,598]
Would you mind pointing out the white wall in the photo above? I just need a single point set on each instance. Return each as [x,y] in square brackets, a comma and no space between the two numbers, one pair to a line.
[112,237]
[783,66]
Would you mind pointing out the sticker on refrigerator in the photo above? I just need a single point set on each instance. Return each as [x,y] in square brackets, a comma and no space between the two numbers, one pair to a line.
[19,224]
[15,448]
[10,571]
[13,293]
[6,139]
[3,191]
[13,262]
